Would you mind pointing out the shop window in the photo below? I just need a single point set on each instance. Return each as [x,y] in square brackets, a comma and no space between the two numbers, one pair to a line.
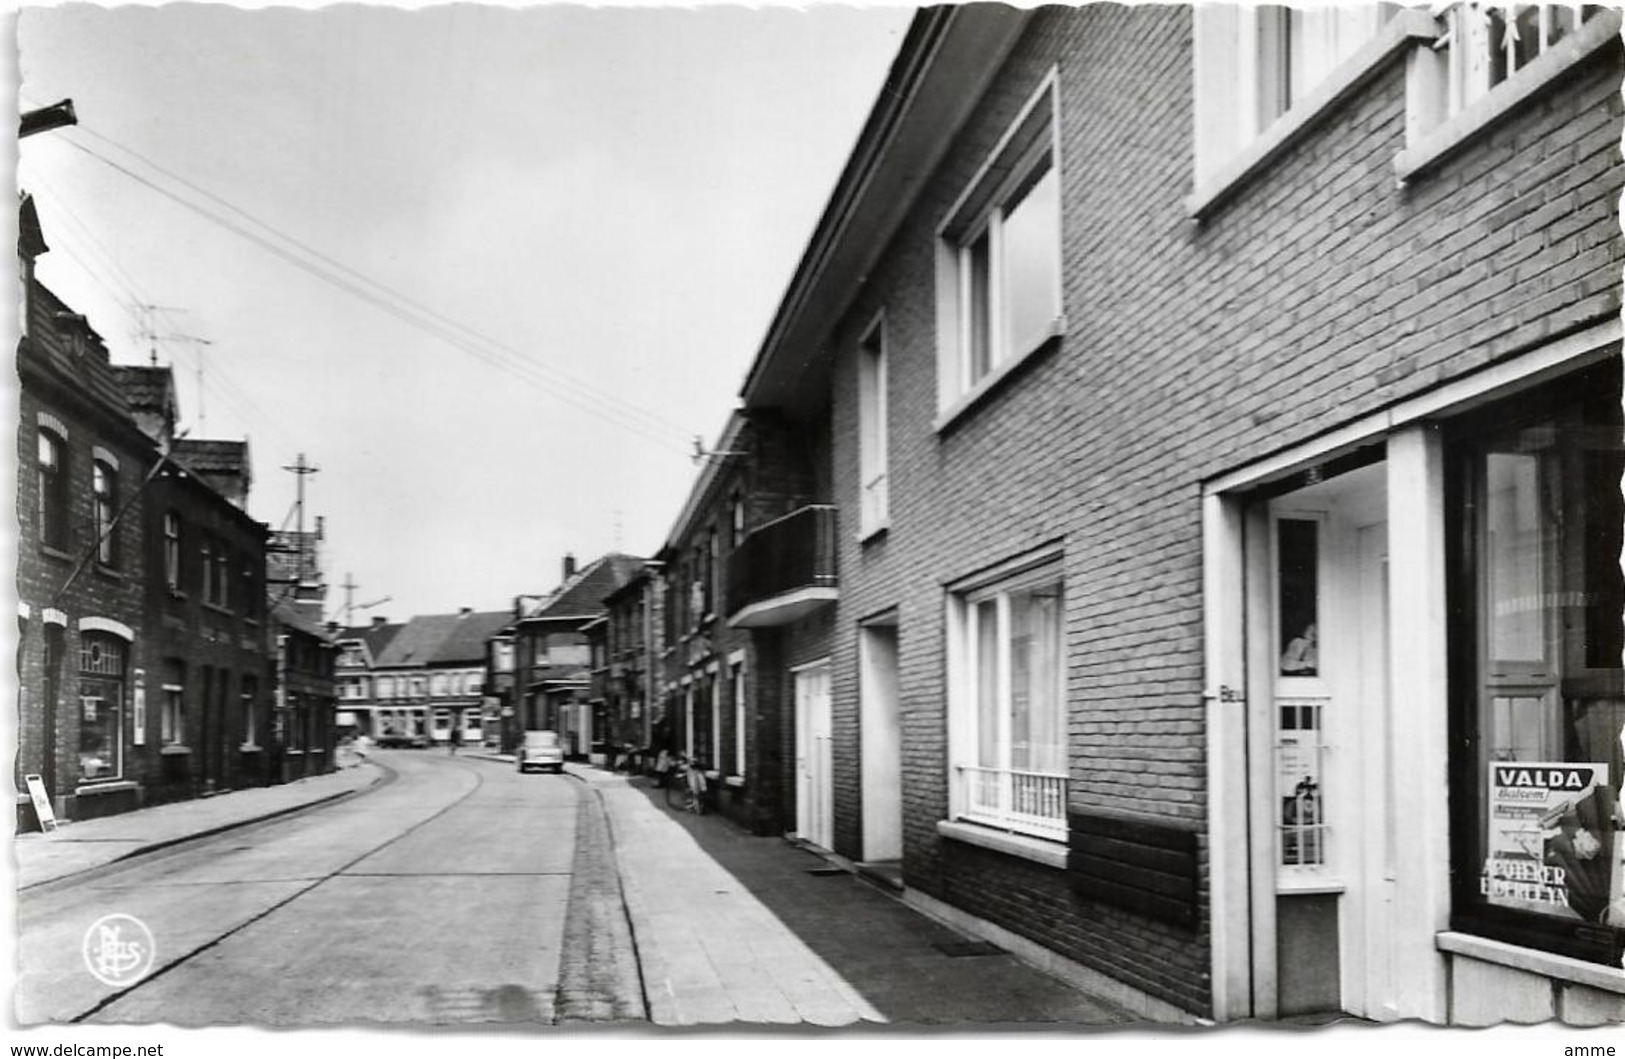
[1536,670]
[101,704]
[1008,714]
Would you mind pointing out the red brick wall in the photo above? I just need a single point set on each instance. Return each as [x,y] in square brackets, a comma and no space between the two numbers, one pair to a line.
[1318,293]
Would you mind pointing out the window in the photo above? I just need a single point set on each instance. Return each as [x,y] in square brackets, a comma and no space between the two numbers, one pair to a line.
[250,700]
[736,679]
[1257,63]
[875,509]
[53,490]
[172,712]
[1536,681]
[172,551]
[222,576]
[1007,707]
[437,685]
[104,492]
[206,563]
[386,687]
[101,705]
[1488,45]
[1001,257]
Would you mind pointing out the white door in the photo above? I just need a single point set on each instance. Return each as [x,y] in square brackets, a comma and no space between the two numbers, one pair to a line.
[1374,995]
[815,809]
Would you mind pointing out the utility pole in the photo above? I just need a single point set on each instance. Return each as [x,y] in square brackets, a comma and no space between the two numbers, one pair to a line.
[350,606]
[301,469]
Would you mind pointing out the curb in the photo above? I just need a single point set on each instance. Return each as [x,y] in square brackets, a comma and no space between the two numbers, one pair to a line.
[166,843]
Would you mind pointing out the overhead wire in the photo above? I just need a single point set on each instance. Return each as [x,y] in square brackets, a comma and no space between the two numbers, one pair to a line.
[605,405]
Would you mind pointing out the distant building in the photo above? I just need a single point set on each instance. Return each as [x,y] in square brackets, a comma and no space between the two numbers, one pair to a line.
[359,650]
[552,658]
[303,734]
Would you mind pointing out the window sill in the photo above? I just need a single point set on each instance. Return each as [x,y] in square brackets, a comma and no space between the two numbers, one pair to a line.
[1508,96]
[874,532]
[55,553]
[1401,31]
[1043,851]
[735,781]
[108,572]
[1549,965]
[174,750]
[107,786]
[218,609]
[995,378]
[250,748]
[1306,883]
[177,595]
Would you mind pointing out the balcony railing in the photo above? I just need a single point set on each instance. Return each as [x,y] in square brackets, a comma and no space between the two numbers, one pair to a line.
[1030,802]
[784,569]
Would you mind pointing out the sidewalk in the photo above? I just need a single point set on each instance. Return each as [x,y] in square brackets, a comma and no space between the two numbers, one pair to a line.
[731,927]
[80,846]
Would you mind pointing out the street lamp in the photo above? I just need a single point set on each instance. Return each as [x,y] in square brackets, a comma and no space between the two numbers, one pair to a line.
[44,119]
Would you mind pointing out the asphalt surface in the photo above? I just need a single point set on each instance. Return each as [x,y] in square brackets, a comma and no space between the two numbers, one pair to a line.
[440,897]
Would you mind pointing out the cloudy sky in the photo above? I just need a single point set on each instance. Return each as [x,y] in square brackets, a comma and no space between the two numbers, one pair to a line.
[489,268]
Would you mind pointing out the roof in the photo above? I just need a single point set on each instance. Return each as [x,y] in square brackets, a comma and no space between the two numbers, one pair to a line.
[440,639]
[147,388]
[466,643]
[374,637]
[205,456]
[949,54]
[583,595]
[287,613]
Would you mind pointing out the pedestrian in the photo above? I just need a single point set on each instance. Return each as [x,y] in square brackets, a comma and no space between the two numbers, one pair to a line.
[456,739]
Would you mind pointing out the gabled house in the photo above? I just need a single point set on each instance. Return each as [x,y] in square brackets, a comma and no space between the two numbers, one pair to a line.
[359,649]
[552,659]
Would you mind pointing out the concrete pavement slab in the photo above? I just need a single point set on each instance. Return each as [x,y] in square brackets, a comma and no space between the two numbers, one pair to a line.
[85,845]
[732,927]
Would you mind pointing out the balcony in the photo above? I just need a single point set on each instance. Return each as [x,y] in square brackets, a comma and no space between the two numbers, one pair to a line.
[784,570]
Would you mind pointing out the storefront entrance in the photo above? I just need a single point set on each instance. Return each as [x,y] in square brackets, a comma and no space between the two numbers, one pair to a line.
[1317,598]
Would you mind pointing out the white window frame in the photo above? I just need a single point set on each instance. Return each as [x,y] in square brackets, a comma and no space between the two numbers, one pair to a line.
[873,483]
[1450,99]
[1043,567]
[172,718]
[736,676]
[104,504]
[1031,145]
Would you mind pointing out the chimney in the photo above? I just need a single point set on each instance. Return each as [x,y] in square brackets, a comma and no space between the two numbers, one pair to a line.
[378,621]
[569,566]
[464,612]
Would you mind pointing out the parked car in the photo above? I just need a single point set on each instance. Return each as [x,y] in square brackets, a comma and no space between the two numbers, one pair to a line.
[540,750]
[398,740]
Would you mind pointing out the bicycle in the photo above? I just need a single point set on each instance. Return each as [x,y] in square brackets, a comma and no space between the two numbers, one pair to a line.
[685,787]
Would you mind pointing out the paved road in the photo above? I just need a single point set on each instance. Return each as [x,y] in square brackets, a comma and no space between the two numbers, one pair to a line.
[442,896]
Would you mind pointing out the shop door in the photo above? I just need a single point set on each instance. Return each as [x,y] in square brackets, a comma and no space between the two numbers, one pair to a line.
[815,809]
[1322,587]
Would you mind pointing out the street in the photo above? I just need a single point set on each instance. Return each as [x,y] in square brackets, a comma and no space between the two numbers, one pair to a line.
[439,897]
[456,891]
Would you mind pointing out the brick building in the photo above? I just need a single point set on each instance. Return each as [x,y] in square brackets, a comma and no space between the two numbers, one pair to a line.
[1223,416]
[302,736]
[140,584]
[628,681]
[80,562]
[748,574]
[209,660]
[359,649]
[552,658]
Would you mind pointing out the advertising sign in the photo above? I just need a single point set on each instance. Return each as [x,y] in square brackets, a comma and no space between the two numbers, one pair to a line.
[1552,847]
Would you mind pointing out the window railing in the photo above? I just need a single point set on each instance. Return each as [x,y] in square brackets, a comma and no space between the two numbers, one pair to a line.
[1030,802]
[788,554]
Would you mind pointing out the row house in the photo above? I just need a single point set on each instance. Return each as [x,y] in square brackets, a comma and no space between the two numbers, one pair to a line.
[500,695]
[359,649]
[625,678]
[213,649]
[748,570]
[1222,410]
[304,738]
[427,677]
[143,660]
[553,658]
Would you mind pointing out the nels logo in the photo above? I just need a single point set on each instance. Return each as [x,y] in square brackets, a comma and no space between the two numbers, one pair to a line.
[119,949]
